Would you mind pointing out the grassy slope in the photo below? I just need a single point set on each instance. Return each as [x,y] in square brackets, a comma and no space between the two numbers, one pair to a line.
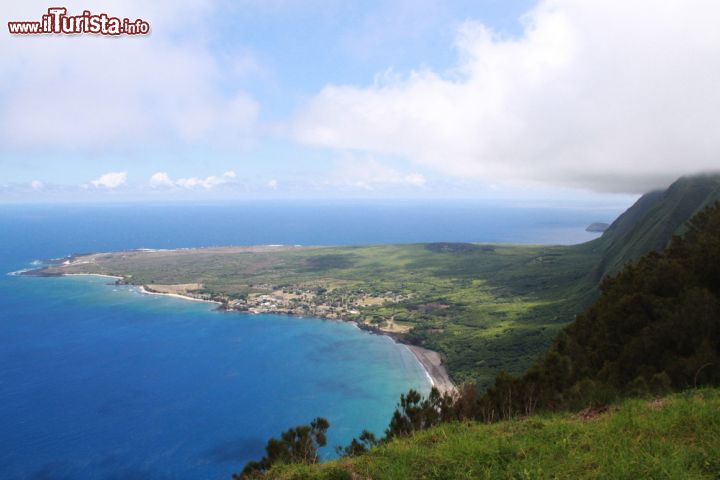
[677,437]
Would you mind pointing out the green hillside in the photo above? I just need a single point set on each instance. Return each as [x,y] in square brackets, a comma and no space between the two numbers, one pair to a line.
[651,222]
[677,437]
[655,327]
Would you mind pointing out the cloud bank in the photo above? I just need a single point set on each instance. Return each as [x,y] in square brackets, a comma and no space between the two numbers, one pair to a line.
[608,95]
[163,180]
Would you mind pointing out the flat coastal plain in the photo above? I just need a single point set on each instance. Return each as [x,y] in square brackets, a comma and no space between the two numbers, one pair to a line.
[468,311]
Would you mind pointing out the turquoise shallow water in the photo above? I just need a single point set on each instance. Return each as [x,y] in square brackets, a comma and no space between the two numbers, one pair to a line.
[101,382]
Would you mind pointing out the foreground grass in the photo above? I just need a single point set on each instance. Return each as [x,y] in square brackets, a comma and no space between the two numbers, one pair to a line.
[675,437]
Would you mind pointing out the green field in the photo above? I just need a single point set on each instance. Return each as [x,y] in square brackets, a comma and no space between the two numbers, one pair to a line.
[677,437]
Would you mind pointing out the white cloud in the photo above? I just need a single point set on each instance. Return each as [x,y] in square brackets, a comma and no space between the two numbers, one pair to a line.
[110,180]
[162,179]
[273,184]
[37,185]
[608,95]
[415,179]
[86,92]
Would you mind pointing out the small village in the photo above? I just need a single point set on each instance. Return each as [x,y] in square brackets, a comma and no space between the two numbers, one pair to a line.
[319,302]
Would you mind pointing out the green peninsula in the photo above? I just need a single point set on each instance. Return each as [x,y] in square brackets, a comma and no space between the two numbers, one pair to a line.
[484,308]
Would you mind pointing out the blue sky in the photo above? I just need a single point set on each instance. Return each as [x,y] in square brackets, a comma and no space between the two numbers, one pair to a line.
[307,45]
[549,101]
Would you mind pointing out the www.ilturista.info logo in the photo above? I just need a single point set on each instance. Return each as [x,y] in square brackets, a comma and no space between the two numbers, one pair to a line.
[57,21]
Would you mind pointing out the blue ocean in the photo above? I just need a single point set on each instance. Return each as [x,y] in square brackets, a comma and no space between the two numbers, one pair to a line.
[99,381]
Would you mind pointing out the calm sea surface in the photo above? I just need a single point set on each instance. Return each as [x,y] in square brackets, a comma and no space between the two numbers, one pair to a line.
[101,382]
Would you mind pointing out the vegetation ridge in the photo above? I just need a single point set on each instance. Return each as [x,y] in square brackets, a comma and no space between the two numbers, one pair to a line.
[676,436]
